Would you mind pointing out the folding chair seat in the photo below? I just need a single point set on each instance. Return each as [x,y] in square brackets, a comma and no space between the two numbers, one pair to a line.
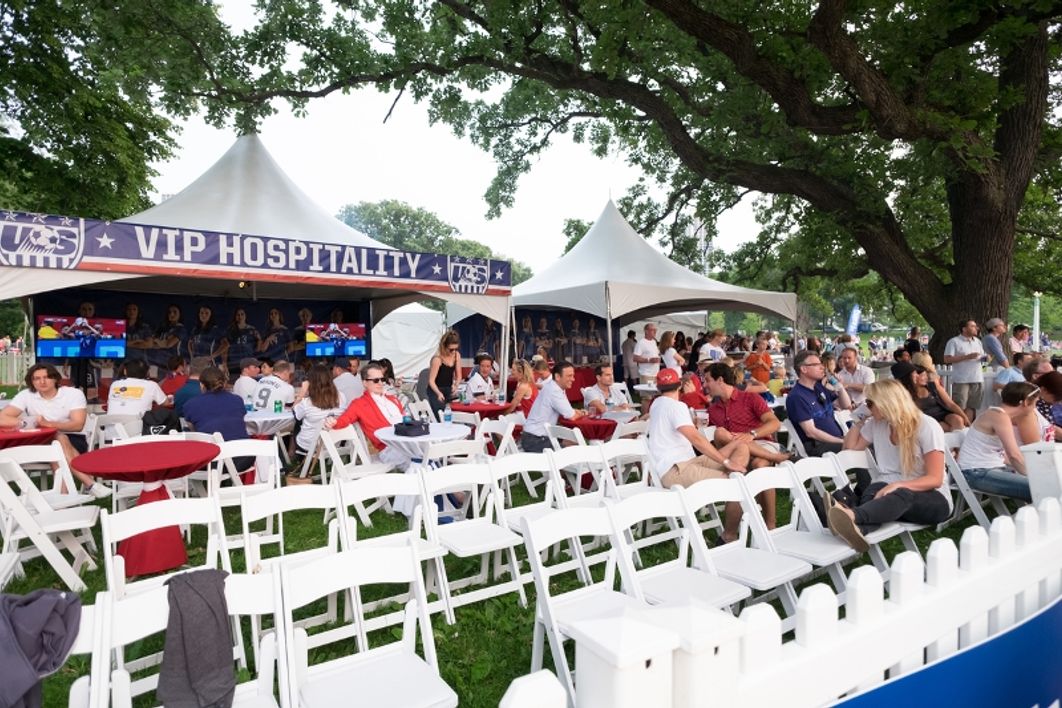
[46,459]
[690,575]
[136,618]
[28,518]
[349,459]
[355,493]
[794,443]
[756,566]
[392,675]
[556,613]
[480,532]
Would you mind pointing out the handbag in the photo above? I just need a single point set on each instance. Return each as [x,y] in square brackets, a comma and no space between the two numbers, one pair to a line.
[413,429]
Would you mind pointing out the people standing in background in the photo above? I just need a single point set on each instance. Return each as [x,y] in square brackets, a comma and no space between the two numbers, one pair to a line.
[243,340]
[593,349]
[297,345]
[993,343]
[205,339]
[170,338]
[543,338]
[489,341]
[630,368]
[669,355]
[963,352]
[559,352]
[913,343]
[647,356]
[274,344]
[526,342]
[1019,338]
[759,363]
[444,372]
[137,333]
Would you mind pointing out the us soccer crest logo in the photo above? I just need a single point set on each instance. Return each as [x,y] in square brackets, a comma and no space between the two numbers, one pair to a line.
[41,241]
[468,275]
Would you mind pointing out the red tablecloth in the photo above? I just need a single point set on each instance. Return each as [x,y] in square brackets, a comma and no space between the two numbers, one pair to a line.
[591,428]
[151,463]
[14,438]
[485,410]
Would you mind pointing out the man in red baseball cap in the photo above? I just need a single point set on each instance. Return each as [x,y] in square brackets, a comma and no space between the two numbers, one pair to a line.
[673,440]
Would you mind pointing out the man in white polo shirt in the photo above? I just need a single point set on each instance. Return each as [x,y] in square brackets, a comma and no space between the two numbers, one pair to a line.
[964,353]
[550,404]
[854,375]
[596,398]
[647,355]
[673,437]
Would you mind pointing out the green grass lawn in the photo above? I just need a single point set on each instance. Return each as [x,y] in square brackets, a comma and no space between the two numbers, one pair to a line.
[488,647]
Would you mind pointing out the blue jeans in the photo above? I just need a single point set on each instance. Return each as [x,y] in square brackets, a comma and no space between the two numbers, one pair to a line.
[999,480]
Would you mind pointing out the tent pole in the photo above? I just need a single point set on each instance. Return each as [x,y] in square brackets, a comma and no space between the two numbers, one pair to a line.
[608,318]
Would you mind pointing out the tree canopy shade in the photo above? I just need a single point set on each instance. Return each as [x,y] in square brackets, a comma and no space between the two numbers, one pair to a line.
[918,139]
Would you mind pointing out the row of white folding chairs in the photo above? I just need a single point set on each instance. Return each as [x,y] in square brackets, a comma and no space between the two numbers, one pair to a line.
[393,671]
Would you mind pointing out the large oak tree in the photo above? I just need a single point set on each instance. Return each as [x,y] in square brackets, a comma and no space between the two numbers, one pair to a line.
[902,138]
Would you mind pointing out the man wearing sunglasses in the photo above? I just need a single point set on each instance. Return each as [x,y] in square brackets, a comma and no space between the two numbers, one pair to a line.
[810,406]
[375,409]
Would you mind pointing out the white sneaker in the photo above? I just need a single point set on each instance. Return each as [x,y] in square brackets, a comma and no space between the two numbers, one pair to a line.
[98,490]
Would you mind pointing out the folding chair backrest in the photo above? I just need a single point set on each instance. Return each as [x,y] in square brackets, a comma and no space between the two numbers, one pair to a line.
[266,462]
[199,437]
[622,385]
[467,418]
[560,526]
[93,638]
[134,618]
[29,456]
[847,460]
[419,408]
[634,428]
[954,439]
[466,449]
[29,495]
[500,434]
[170,437]
[277,502]
[634,510]
[111,426]
[503,467]
[368,489]
[822,474]
[559,434]
[147,517]
[795,443]
[843,418]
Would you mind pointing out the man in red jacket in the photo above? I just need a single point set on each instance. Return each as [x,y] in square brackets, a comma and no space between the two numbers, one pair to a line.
[374,410]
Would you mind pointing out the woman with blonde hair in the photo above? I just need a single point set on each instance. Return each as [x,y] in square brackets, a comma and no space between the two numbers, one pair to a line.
[910,484]
[671,358]
[525,392]
[444,372]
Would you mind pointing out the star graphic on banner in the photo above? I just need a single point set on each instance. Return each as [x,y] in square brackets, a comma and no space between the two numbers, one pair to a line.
[498,275]
[105,241]
[11,215]
[38,218]
[66,221]
[436,269]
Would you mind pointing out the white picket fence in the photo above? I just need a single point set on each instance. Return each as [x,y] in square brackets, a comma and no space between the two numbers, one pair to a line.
[956,598]
[13,367]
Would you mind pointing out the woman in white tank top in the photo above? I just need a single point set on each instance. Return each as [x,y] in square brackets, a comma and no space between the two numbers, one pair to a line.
[990,457]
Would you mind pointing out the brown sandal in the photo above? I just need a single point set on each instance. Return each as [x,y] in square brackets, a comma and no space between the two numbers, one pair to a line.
[843,525]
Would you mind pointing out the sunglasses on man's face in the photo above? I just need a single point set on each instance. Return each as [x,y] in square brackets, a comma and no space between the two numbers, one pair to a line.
[378,379]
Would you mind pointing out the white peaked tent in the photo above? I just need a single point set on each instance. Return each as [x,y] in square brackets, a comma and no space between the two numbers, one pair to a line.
[409,337]
[244,192]
[615,274]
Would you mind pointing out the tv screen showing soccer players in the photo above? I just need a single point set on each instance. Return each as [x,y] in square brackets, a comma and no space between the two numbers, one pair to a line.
[336,339]
[73,337]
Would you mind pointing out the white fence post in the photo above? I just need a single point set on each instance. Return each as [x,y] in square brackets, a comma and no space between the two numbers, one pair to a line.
[1050,511]
[906,586]
[1001,543]
[942,570]
[865,606]
[973,557]
[1027,525]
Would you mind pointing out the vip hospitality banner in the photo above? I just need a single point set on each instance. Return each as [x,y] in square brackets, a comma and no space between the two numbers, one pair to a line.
[60,242]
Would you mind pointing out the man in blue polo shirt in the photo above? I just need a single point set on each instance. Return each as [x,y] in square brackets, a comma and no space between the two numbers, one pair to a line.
[810,405]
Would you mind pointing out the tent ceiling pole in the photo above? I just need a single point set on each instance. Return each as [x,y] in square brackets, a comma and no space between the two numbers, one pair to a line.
[608,317]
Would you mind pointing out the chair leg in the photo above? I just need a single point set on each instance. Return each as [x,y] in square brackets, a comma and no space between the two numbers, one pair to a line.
[514,568]
[444,590]
[537,641]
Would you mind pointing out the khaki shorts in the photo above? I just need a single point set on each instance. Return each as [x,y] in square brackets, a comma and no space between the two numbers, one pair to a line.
[967,395]
[692,471]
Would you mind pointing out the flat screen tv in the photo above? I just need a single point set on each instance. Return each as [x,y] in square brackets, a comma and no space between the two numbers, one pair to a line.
[336,339]
[72,337]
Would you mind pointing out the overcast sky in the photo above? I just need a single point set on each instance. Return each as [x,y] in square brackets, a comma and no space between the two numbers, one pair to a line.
[343,152]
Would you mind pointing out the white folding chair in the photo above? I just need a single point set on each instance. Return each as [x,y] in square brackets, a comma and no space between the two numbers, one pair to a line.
[9,567]
[417,409]
[843,418]
[124,492]
[759,567]
[622,385]
[967,497]
[102,429]
[93,637]
[621,455]
[577,462]
[471,419]
[499,435]
[482,531]
[45,459]
[524,463]
[392,674]
[349,459]
[28,518]
[690,574]
[266,472]
[555,613]
[794,443]
[275,503]
[355,493]
[139,617]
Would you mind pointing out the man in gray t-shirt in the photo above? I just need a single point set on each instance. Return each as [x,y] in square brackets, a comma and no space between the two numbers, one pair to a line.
[964,353]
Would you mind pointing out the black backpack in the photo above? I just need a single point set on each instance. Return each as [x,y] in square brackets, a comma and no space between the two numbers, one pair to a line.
[160,421]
